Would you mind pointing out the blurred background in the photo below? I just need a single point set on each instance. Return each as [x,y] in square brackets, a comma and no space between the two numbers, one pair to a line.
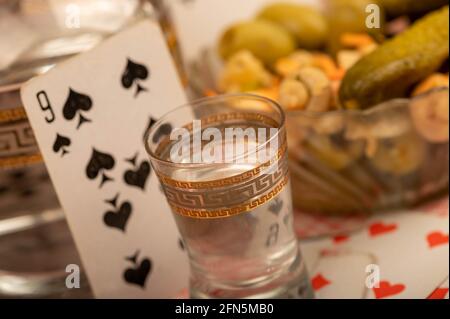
[342,164]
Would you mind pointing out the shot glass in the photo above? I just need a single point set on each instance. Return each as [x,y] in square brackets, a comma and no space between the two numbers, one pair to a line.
[222,164]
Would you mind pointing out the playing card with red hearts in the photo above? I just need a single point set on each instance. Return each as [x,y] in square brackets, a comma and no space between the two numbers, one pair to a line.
[408,249]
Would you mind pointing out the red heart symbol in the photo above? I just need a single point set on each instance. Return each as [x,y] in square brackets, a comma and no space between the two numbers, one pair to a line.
[319,282]
[385,289]
[438,293]
[340,238]
[436,238]
[380,228]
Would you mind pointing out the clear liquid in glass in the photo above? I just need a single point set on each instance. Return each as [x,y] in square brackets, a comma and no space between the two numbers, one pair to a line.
[250,255]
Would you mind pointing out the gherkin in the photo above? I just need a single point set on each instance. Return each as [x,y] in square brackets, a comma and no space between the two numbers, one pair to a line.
[390,70]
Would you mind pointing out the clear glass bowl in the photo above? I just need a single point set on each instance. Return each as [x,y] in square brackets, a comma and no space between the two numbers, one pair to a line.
[350,162]
[361,162]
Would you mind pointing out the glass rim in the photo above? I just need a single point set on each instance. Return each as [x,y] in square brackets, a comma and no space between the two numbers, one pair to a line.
[199,101]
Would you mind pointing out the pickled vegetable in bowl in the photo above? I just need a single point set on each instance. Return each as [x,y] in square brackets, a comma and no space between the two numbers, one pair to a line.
[360,162]
[367,109]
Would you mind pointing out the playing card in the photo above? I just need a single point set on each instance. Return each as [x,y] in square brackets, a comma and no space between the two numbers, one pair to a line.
[341,274]
[412,252]
[409,250]
[89,115]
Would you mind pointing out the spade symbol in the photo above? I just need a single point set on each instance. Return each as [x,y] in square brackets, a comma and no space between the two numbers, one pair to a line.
[151,121]
[138,177]
[139,273]
[76,103]
[118,219]
[61,143]
[275,206]
[97,164]
[134,72]
[164,129]
[272,238]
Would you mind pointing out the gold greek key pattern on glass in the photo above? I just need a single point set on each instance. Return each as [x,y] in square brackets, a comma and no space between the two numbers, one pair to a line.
[225,196]
[227,201]
[238,209]
[17,139]
[12,115]
[19,161]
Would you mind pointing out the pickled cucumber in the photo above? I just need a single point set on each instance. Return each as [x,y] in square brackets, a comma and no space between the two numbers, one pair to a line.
[265,39]
[306,24]
[397,64]
[348,16]
[396,8]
